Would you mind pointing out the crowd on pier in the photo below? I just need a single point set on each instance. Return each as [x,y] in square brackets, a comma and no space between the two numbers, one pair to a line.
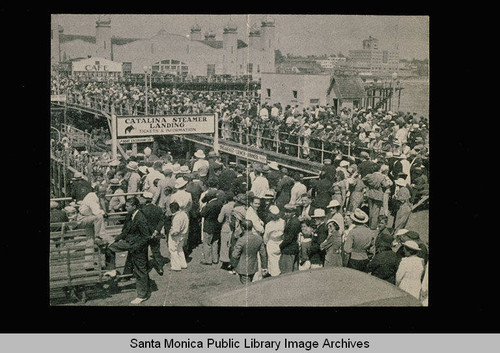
[259,220]
[315,133]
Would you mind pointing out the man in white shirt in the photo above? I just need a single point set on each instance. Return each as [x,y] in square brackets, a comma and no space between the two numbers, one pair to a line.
[260,184]
[154,173]
[91,214]
[297,190]
[200,162]
[251,214]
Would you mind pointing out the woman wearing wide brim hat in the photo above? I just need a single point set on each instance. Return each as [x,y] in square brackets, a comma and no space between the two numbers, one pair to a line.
[358,241]
[410,270]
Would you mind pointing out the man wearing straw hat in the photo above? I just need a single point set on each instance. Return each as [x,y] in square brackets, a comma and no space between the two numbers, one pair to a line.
[200,161]
[358,241]
[133,178]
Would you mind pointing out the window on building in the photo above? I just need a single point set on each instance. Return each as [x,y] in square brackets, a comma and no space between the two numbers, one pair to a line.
[98,63]
[232,49]
[294,94]
[269,92]
[250,68]
[258,68]
[314,100]
[152,48]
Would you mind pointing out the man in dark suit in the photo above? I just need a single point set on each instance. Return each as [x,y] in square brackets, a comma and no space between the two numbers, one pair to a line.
[289,260]
[156,219]
[211,227]
[245,252]
[306,210]
[79,187]
[134,238]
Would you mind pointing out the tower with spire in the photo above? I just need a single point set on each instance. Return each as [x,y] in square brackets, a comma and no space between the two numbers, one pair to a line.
[103,37]
[230,47]
[268,44]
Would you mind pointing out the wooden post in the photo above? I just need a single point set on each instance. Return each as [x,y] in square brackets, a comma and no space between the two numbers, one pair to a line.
[114,140]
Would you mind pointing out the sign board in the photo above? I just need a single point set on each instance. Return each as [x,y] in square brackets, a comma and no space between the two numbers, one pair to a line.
[243,153]
[58,98]
[96,64]
[149,125]
[133,140]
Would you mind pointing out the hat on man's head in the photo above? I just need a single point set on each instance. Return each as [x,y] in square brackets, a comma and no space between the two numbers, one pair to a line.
[318,213]
[147,195]
[77,175]
[114,182]
[400,182]
[132,165]
[274,165]
[290,207]
[400,232]
[180,182]
[199,154]
[410,244]
[364,154]
[344,163]
[114,163]
[265,168]
[327,161]
[359,216]
[333,203]
[184,169]
[53,204]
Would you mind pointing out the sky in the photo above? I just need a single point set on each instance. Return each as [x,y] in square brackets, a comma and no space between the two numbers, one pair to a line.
[296,34]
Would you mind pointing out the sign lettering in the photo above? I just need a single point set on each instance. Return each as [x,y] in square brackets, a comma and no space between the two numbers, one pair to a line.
[243,153]
[132,126]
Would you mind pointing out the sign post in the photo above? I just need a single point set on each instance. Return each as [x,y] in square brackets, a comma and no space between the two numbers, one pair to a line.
[114,142]
[216,133]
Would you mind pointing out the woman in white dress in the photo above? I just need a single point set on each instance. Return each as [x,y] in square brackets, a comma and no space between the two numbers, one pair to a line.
[273,236]
[410,270]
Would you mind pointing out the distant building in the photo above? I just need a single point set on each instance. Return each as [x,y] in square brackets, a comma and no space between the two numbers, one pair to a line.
[173,53]
[372,60]
[299,66]
[331,62]
[306,90]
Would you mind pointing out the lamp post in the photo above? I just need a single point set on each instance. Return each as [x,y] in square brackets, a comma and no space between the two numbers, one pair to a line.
[146,69]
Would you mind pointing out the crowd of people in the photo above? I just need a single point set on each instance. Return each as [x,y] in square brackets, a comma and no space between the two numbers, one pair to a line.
[255,220]
[315,133]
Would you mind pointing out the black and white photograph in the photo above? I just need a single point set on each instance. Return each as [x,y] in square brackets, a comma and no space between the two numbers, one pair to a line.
[239,160]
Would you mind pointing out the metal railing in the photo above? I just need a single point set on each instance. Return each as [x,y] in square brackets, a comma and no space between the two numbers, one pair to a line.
[261,137]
